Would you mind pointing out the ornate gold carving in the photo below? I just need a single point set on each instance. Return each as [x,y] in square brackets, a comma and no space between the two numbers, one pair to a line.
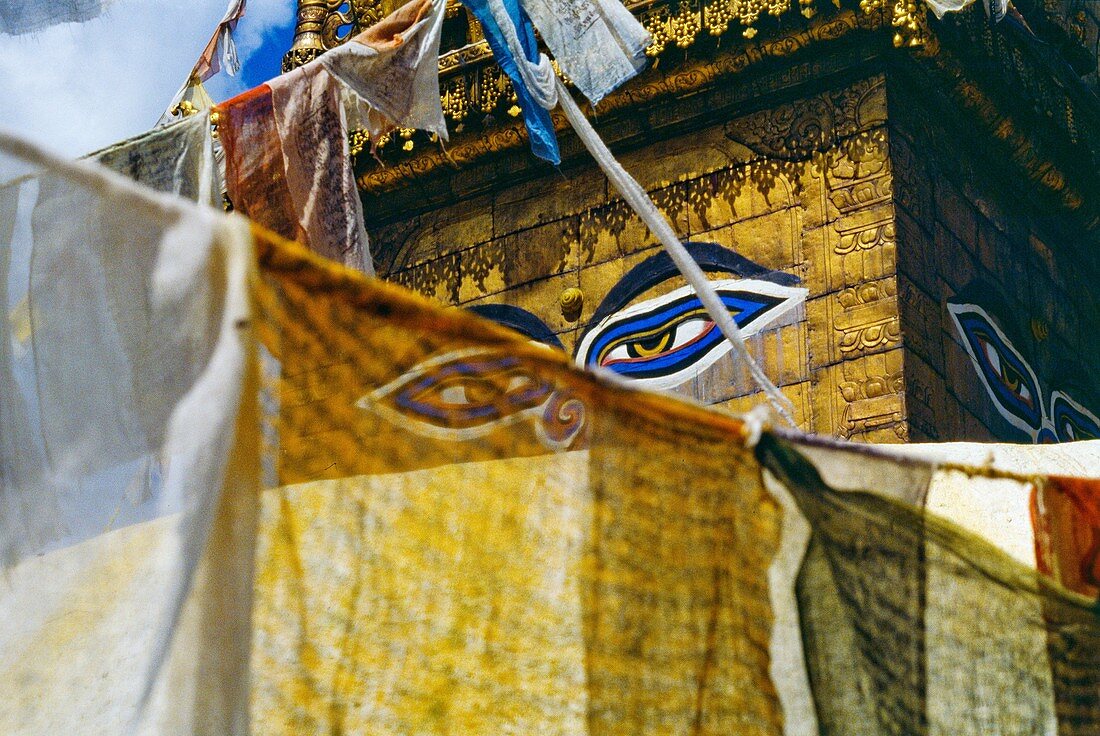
[866,237]
[911,21]
[691,77]
[315,31]
[357,141]
[859,172]
[368,12]
[299,57]
[571,302]
[861,193]
[872,403]
[869,317]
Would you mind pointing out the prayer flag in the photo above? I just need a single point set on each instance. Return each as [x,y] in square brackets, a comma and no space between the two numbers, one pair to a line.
[599,44]
[540,127]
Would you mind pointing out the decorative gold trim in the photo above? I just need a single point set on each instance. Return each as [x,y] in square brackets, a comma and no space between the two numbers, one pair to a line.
[1037,166]
[699,73]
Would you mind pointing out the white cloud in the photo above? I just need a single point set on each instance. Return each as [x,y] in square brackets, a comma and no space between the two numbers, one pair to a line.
[81,86]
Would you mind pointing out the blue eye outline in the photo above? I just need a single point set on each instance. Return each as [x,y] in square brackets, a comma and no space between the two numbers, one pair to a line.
[713,258]
[658,268]
[979,330]
[513,391]
[1072,422]
[755,304]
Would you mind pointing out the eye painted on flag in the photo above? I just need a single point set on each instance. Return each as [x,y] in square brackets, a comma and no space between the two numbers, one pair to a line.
[466,394]
[1007,377]
[666,340]
[1071,420]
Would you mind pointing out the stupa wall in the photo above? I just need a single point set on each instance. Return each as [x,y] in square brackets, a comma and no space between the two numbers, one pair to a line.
[801,186]
[972,242]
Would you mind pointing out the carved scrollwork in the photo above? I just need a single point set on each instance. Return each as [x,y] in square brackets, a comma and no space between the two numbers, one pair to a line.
[330,29]
[872,403]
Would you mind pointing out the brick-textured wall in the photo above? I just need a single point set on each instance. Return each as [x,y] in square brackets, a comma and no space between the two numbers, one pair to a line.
[960,219]
[804,186]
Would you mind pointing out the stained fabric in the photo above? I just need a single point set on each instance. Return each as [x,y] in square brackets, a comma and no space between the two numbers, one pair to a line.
[913,622]
[121,398]
[460,531]
[27,16]
[599,44]
[392,70]
[519,546]
[456,542]
[536,118]
[177,159]
[317,167]
[288,164]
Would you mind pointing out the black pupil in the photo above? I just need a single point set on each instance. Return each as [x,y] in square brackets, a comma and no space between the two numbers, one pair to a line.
[646,344]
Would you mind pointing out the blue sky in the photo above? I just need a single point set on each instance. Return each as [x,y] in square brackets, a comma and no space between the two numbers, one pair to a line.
[81,86]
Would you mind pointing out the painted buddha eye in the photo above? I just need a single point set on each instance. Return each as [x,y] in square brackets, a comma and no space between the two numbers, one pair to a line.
[1007,377]
[666,340]
[682,334]
[478,394]
[466,394]
[1071,420]
[462,391]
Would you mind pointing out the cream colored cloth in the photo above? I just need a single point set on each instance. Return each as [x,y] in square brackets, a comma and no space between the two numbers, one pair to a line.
[121,398]
[599,44]
[392,70]
[176,159]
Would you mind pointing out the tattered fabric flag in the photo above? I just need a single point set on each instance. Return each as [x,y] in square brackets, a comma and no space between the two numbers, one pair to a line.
[392,69]
[124,588]
[536,116]
[178,159]
[220,53]
[920,604]
[210,60]
[288,165]
[599,44]
[27,16]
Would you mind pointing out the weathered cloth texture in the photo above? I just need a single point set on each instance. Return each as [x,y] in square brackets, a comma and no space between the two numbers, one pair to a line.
[599,44]
[461,532]
[120,392]
[27,16]
[392,69]
[458,539]
[176,159]
[938,623]
[288,165]
[519,546]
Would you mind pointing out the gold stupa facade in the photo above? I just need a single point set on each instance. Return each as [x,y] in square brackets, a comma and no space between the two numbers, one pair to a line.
[911,205]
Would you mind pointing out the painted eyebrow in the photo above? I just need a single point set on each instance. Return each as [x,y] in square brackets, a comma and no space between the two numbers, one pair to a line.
[520,320]
[711,257]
